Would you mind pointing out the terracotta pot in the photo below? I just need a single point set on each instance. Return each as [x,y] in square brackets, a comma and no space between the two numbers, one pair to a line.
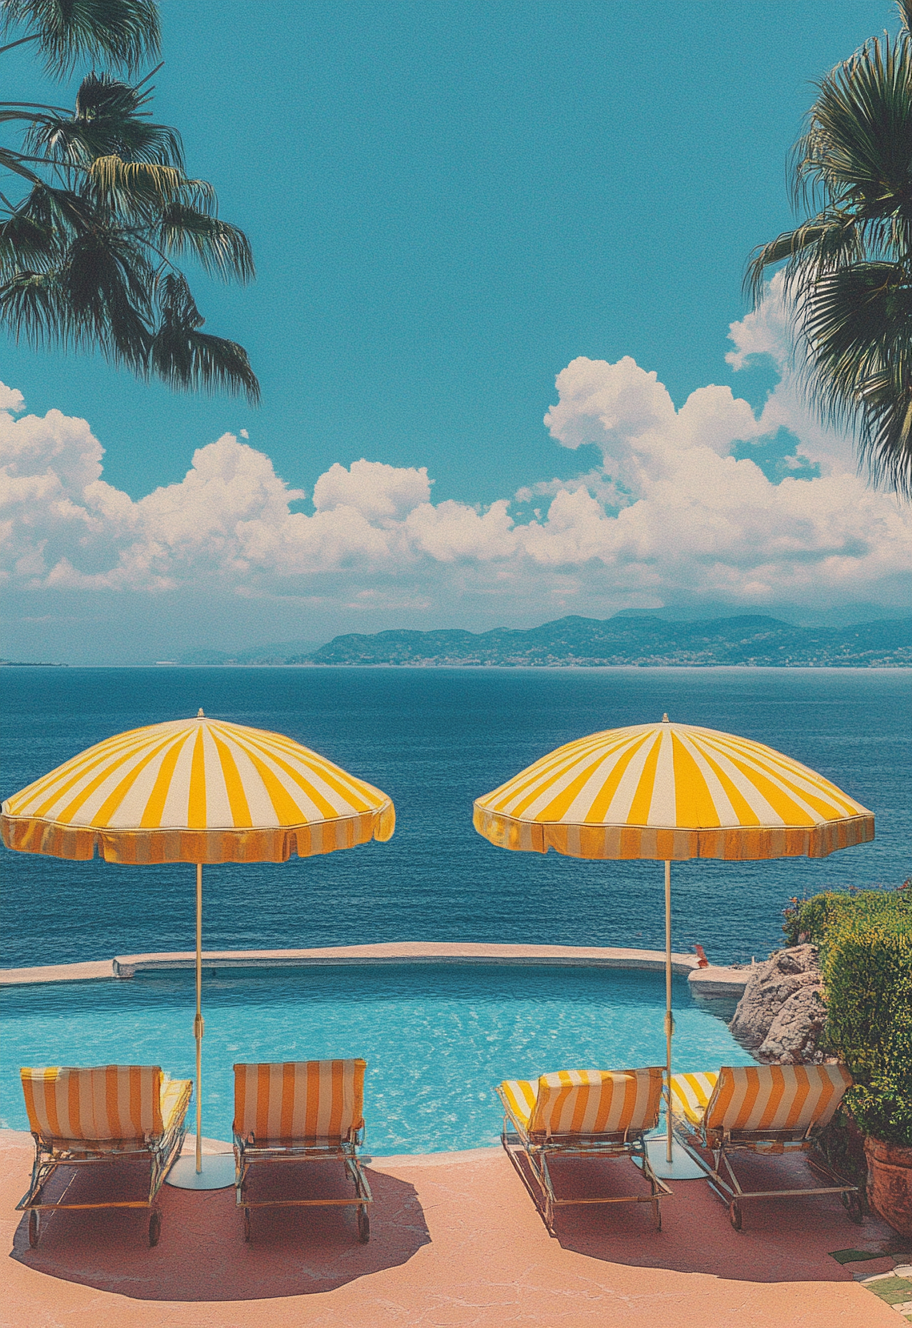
[890,1183]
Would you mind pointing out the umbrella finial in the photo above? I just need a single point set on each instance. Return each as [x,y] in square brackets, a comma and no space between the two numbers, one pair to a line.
[665,719]
[200,715]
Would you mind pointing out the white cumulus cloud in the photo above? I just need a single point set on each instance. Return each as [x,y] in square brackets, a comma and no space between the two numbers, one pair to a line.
[378,491]
[711,502]
[766,333]
[699,517]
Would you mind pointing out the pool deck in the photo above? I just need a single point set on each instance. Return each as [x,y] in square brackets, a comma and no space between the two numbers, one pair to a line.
[716,980]
[456,1243]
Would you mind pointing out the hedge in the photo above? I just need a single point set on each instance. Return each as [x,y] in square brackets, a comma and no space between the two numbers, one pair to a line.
[813,919]
[865,941]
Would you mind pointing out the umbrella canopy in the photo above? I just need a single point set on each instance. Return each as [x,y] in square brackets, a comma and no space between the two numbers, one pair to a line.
[202,791]
[195,790]
[670,792]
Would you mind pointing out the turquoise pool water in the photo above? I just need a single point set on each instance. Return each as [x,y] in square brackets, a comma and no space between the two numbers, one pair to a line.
[436,1037]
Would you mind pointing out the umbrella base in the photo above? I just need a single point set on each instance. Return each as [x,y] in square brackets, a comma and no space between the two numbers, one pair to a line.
[217,1172]
[681,1167]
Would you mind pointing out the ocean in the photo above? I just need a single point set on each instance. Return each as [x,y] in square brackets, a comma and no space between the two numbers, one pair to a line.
[435,739]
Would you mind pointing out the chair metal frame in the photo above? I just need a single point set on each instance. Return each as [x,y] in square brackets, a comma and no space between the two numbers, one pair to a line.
[540,1148]
[249,1154]
[51,1154]
[721,1144]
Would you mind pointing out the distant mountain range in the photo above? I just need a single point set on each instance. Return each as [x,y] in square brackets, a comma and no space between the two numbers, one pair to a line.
[752,639]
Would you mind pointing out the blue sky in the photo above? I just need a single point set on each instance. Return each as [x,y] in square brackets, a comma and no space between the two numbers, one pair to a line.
[450,203]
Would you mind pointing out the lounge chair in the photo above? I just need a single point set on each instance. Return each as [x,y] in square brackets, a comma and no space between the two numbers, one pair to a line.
[582,1114]
[101,1116]
[762,1109]
[300,1111]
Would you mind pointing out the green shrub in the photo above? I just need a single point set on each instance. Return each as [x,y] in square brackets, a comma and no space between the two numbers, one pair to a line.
[865,941]
[815,918]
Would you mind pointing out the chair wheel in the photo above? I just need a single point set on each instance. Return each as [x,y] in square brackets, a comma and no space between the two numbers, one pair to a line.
[734,1215]
[364,1225]
[34,1229]
[247,1225]
[155,1227]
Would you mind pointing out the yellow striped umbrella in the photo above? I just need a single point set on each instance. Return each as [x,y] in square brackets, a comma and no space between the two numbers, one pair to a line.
[669,792]
[195,790]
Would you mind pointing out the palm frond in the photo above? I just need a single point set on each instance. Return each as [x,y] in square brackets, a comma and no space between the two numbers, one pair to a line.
[86,254]
[33,309]
[106,283]
[848,267]
[885,441]
[52,205]
[827,241]
[857,327]
[131,189]
[122,33]
[220,248]
[195,361]
[10,113]
[15,162]
[192,360]
[108,120]
[37,106]
[865,309]
[856,145]
[27,244]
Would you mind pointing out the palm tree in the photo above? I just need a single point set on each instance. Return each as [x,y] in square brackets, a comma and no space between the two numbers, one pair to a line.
[848,267]
[87,254]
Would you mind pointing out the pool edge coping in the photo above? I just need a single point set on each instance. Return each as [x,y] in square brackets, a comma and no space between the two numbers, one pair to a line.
[712,981]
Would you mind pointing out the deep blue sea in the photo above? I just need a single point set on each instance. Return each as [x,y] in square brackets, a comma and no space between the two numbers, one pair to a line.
[435,739]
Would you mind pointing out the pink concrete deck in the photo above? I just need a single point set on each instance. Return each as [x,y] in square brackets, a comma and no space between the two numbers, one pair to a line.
[456,1243]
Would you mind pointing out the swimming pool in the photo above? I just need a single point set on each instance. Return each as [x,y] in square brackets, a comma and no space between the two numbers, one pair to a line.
[436,1037]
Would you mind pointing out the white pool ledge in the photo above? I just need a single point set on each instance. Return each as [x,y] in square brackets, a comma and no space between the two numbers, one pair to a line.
[712,981]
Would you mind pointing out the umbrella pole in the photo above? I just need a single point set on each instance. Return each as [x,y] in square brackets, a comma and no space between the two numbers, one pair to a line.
[669,1018]
[219,1170]
[198,1021]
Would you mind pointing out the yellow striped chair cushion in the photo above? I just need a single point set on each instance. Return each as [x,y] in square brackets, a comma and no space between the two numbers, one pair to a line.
[299,1100]
[102,1102]
[175,1098]
[761,1098]
[585,1102]
[776,1097]
[690,1094]
[518,1096]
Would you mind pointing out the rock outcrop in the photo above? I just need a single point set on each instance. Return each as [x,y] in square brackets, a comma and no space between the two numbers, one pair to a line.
[794,1033]
[781,1015]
